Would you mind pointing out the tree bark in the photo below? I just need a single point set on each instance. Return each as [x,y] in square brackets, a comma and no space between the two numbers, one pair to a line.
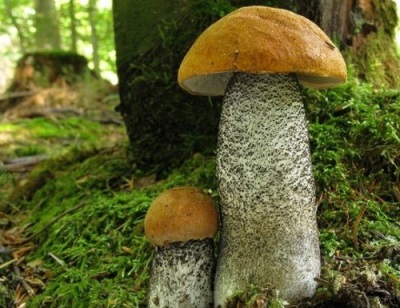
[165,124]
[47,25]
[94,36]
[335,18]
[73,23]
[365,31]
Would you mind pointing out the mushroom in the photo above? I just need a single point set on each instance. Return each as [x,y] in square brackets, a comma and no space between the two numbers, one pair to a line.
[256,57]
[181,223]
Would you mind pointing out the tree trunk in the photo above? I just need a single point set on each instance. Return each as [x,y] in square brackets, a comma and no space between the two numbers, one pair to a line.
[94,37]
[39,70]
[47,25]
[335,18]
[165,124]
[365,31]
[73,24]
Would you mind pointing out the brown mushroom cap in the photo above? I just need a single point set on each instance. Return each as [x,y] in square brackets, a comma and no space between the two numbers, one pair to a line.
[258,39]
[180,214]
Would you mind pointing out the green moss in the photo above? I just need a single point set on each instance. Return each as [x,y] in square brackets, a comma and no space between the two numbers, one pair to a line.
[354,132]
[95,261]
[45,136]
[387,15]
[377,60]
[102,244]
[354,137]
[374,51]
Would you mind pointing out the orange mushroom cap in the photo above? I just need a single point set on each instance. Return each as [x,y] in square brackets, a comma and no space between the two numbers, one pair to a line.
[258,39]
[180,214]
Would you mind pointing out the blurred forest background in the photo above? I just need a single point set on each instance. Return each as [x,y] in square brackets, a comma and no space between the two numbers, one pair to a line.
[82,156]
[84,27]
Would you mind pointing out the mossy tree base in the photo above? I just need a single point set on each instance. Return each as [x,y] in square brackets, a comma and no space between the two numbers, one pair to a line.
[164,124]
[42,69]
[39,70]
[354,133]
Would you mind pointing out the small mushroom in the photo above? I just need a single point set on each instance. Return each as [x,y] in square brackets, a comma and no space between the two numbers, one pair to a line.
[181,223]
[256,57]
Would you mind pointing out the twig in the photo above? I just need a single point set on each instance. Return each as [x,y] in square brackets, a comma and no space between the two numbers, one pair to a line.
[58,260]
[393,277]
[26,286]
[4,265]
[22,251]
[50,113]
[17,95]
[110,120]
[71,110]
[396,192]
[24,161]
[52,221]
[357,225]
[21,163]
[366,299]
[55,219]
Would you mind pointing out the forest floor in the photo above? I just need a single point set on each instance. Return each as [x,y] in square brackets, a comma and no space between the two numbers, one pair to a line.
[72,202]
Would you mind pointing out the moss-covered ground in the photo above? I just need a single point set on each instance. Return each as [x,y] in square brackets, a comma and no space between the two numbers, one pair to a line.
[72,232]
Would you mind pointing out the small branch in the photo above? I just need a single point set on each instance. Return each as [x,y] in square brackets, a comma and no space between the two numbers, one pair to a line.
[8,96]
[52,221]
[71,110]
[396,192]
[366,300]
[58,260]
[114,121]
[27,160]
[357,225]
[16,164]
[4,265]
[17,253]
[26,286]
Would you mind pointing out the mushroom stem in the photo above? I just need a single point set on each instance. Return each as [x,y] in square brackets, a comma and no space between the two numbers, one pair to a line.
[269,233]
[182,275]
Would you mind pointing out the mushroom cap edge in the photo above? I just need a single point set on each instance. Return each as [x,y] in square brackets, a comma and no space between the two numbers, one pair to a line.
[259,39]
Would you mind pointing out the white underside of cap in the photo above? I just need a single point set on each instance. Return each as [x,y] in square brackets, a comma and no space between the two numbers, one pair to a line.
[211,85]
[215,84]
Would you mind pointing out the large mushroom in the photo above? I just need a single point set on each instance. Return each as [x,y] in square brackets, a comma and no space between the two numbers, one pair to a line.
[256,57]
[181,224]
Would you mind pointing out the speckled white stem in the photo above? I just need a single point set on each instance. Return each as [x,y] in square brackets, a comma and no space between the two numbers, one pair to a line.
[269,231]
[182,275]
